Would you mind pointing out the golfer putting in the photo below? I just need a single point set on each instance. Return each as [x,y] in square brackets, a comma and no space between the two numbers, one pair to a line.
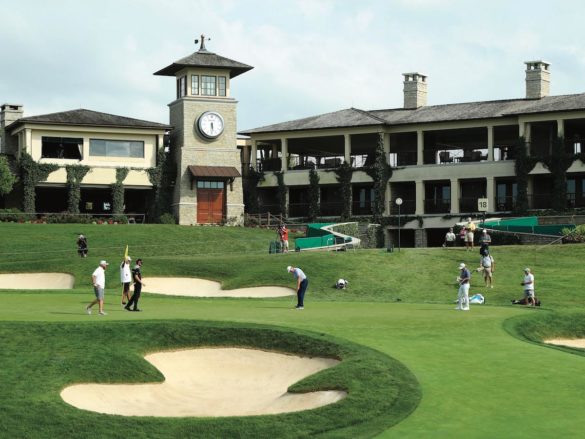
[302,283]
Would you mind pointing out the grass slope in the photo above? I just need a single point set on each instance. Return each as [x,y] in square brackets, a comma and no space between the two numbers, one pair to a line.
[477,380]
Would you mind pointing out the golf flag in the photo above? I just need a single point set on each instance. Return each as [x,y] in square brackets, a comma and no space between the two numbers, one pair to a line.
[126,253]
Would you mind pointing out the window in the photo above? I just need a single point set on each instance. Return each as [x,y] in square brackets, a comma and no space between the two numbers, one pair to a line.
[181,87]
[194,84]
[221,88]
[208,85]
[61,148]
[116,148]
[201,184]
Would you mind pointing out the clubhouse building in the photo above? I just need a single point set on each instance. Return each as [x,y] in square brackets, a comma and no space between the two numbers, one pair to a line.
[444,157]
[200,139]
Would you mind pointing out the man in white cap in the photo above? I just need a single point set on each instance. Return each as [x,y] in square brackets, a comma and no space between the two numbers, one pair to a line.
[463,293]
[126,279]
[302,283]
[98,279]
[528,284]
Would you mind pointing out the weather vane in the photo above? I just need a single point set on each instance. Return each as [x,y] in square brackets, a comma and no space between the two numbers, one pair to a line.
[202,47]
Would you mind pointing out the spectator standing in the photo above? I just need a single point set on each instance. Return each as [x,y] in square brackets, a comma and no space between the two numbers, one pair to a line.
[487,266]
[450,238]
[82,246]
[462,233]
[284,238]
[302,284]
[126,279]
[463,293]
[528,284]
[469,232]
[132,305]
[98,279]
[485,238]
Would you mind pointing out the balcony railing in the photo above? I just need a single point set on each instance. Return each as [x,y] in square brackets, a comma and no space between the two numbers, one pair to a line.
[315,161]
[402,158]
[575,200]
[506,203]
[468,204]
[408,207]
[447,156]
[438,205]
[503,153]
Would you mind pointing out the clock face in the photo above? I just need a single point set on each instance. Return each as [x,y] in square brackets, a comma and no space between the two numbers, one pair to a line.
[210,124]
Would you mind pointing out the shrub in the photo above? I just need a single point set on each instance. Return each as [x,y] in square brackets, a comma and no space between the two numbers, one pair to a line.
[574,235]
[14,215]
[167,218]
[66,218]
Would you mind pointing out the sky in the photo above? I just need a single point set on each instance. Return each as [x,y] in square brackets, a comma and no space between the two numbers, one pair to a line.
[309,56]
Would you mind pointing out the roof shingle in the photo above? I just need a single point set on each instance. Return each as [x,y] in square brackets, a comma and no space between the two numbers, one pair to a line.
[82,117]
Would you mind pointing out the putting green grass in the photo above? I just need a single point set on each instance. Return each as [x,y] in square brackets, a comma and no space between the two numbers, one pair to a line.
[482,374]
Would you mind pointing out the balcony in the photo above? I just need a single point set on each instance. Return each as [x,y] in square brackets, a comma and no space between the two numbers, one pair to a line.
[438,205]
[408,207]
[362,207]
[314,161]
[505,203]
[449,156]
[402,158]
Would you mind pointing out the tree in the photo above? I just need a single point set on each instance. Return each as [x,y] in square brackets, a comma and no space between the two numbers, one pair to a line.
[32,173]
[557,163]
[313,194]
[522,166]
[343,175]
[380,171]
[7,178]
[75,174]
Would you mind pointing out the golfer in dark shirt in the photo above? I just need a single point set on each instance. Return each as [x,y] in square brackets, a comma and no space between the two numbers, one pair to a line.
[137,276]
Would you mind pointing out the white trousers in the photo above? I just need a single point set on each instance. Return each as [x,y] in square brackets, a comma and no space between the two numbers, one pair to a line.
[463,296]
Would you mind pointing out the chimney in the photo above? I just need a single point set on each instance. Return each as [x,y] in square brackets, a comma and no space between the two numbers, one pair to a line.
[415,90]
[8,113]
[537,79]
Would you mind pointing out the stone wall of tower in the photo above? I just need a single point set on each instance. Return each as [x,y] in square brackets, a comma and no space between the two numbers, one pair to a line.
[193,149]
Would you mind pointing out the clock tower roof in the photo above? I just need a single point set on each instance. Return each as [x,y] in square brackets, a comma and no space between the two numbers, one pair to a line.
[205,59]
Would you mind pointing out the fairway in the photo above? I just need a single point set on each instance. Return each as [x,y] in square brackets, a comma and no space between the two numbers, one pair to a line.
[481,374]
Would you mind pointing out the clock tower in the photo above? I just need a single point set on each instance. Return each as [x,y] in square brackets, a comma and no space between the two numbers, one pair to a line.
[208,188]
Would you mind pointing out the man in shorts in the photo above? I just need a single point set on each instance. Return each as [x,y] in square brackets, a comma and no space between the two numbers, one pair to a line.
[463,292]
[487,266]
[528,284]
[98,279]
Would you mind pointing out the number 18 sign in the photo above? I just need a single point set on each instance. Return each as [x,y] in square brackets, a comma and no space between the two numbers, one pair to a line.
[482,204]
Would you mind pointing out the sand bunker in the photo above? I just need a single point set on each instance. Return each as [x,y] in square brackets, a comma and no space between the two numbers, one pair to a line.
[210,382]
[570,342]
[36,281]
[189,286]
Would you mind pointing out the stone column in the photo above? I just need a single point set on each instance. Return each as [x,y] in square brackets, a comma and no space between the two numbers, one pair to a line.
[284,156]
[530,192]
[454,196]
[420,145]
[420,198]
[254,154]
[420,238]
[28,142]
[347,148]
[490,143]
[560,128]
[489,194]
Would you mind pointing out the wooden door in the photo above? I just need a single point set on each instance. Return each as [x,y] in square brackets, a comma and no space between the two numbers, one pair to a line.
[210,206]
